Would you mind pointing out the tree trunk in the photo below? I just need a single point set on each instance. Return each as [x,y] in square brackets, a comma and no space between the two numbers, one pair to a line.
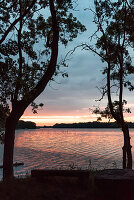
[10,126]
[124,157]
[127,154]
[9,148]
[129,157]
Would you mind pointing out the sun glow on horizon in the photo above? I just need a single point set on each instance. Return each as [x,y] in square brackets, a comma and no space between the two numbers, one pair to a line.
[51,120]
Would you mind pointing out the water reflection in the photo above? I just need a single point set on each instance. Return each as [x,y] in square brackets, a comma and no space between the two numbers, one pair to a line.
[54,148]
[70,141]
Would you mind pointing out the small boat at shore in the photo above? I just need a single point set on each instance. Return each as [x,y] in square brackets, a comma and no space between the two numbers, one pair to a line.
[16,164]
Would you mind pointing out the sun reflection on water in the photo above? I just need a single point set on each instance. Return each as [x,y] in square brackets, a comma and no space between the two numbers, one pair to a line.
[54,148]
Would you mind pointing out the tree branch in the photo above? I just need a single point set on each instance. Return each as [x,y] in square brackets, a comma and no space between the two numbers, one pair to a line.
[53,60]
[16,21]
[20,55]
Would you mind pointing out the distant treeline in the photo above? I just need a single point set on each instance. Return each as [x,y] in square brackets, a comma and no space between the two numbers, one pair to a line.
[25,125]
[91,125]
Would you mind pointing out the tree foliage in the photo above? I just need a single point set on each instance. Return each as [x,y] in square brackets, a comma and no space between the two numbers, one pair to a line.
[25,51]
[30,33]
[114,21]
[114,38]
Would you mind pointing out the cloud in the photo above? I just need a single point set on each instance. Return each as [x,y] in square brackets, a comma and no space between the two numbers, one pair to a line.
[75,94]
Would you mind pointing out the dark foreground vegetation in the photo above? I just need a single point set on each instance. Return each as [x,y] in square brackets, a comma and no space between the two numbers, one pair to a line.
[95,186]
[56,188]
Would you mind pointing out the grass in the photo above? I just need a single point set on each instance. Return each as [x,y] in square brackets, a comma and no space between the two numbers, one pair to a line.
[66,188]
[52,188]
[56,188]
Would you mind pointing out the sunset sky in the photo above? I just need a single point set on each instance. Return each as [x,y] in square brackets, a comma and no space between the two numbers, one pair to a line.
[69,100]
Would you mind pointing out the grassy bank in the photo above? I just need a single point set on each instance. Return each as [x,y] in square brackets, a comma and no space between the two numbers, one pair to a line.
[118,186]
[56,188]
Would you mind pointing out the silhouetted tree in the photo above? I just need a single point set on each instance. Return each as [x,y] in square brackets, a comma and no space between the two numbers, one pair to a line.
[4,112]
[114,40]
[30,32]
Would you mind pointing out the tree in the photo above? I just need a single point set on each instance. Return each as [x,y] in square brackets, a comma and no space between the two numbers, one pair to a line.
[30,32]
[114,42]
[4,112]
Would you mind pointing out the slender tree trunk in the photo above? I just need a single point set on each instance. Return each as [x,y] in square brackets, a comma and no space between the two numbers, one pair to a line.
[124,157]
[129,156]
[127,153]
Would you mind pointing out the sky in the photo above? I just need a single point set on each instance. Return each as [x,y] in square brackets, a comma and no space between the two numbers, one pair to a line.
[72,99]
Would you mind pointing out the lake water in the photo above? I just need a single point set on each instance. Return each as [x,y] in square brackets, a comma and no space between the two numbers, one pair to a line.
[67,148]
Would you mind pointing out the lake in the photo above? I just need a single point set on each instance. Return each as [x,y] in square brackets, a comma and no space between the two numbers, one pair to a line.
[67,148]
